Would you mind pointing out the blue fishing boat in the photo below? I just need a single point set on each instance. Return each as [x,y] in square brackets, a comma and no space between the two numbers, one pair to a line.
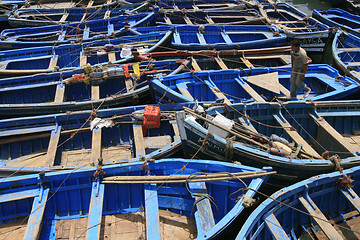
[165,199]
[35,17]
[293,138]
[345,50]
[78,32]
[312,34]
[340,19]
[223,17]
[256,84]
[70,4]
[72,56]
[78,139]
[322,207]
[105,86]
[221,37]
[194,4]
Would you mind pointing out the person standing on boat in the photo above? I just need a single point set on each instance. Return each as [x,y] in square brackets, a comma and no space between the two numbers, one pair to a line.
[299,65]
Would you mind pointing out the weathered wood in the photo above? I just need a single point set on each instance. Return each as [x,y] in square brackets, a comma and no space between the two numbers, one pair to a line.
[157,141]
[53,62]
[91,2]
[107,14]
[138,140]
[247,124]
[96,145]
[184,91]
[217,92]
[33,229]
[268,81]
[18,195]
[349,49]
[152,212]
[195,65]
[129,85]
[187,20]
[209,20]
[201,38]
[60,93]
[247,62]
[319,218]
[203,216]
[176,129]
[167,20]
[326,127]
[95,210]
[64,17]
[296,136]
[221,63]
[95,92]
[252,93]
[52,148]
[275,228]
[112,57]
[352,197]
[83,60]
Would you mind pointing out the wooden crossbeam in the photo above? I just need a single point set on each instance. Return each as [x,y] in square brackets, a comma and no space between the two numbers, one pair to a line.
[96,145]
[221,63]
[195,65]
[60,93]
[33,228]
[247,124]
[95,92]
[138,140]
[209,20]
[295,136]
[83,59]
[152,212]
[203,216]
[201,38]
[64,17]
[247,62]
[176,129]
[107,14]
[95,210]
[91,2]
[320,219]
[276,229]
[112,57]
[53,145]
[184,91]
[219,94]
[352,197]
[167,20]
[187,20]
[53,62]
[250,90]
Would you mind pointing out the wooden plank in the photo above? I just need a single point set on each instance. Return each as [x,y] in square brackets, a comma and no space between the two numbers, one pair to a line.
[321,122]
[64,17]
[325,226]
[219,94]
[83,17]
[205,218]
[349,49]
[138,140]
[33,229]
[247,124]
[60,93]
[167,20]
[95,210]
[246,62]
[107,14]
[284,90]
[201,38]
[195,7]
[91,2]
[53,62]
[352,197]
[129,85]
[176,129]
[112,57]
[252,92]
[275,228]
[195,65]
[152,212]
[209,20]
[83,59]
[96,145]
[221,63]
[184,91]
[187,20]
[95,92]
[18,195]
[53,145]
[23,131]
[296,136]
[268,81]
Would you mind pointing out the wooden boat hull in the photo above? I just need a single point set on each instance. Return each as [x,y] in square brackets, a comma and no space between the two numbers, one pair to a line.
[72,139]
[221,37]
[297,202]
[72,56]
[345,51]
[295,121]
[92,205]
[234,86]
[78,32]
[312,34]
[340,19]
[59,92]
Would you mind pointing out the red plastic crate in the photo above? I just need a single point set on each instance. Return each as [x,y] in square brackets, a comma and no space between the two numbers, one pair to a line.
[151,117]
